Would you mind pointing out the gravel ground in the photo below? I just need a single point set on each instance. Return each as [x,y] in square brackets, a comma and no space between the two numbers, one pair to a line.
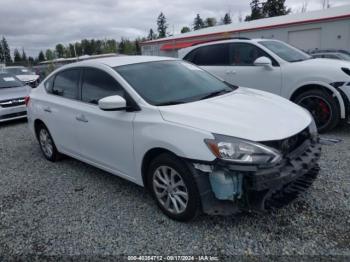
[72,209]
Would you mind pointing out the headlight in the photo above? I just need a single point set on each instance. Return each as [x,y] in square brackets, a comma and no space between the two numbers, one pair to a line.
[242,151]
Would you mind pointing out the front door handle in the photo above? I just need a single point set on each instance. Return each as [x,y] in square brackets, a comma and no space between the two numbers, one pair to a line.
[81,118]
[47,109]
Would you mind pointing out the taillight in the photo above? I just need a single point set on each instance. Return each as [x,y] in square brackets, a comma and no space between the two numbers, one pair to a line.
[26,100]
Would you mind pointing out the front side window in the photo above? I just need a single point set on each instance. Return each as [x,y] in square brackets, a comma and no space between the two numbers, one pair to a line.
[66,83]
[171,82]
[244,54]
[98,84]
[285,51]
[211,55]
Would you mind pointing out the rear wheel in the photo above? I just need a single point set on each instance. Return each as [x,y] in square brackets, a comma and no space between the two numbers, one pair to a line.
[173,187]
[47,144]
[323,107]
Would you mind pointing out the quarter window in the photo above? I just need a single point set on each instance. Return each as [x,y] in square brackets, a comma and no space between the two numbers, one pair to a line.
[211,55]
[66,84]
[98,84]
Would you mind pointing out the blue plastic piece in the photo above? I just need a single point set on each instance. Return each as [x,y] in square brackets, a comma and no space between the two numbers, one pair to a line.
[225,185]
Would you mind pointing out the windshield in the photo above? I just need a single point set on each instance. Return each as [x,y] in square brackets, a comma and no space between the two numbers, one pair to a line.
[19,71]
[285,51]
[8,81]
[172,82]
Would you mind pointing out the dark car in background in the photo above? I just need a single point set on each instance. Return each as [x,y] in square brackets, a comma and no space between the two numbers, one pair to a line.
[12,97]
[331,54]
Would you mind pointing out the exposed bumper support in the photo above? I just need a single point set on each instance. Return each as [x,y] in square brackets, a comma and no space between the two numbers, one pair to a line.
[263,188]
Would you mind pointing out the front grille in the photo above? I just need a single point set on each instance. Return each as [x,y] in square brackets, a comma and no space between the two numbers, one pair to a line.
[288,145]
[8,116]
[12,102]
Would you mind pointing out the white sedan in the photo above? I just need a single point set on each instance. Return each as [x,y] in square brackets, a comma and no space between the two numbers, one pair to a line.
[197,143]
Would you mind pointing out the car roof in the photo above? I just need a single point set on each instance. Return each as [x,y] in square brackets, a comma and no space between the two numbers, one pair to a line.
[122,60]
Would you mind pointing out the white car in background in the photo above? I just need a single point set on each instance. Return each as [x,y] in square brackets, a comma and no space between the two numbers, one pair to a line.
[197,143]
[320,85]
[12,98]
[24,74]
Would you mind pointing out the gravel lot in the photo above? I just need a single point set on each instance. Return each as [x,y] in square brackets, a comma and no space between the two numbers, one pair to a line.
[71,208]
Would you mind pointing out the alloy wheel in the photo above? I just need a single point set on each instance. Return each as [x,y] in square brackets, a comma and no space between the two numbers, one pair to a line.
[170,189]
[46,142]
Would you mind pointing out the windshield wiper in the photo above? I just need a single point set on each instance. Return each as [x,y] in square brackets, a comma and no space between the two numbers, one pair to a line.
[171,103]
[215,93]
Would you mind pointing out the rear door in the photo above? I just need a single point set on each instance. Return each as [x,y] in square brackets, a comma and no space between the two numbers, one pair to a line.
[213,58]
[60,108]
[105,137]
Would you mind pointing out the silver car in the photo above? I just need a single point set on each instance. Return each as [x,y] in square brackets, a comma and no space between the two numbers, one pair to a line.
[12,97]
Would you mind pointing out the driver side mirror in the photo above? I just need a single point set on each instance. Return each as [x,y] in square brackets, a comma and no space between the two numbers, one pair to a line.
[263,61]
[112,103]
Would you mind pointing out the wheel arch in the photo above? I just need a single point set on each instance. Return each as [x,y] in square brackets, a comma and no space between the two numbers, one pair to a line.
[37,124]
[327,88]
[147,159]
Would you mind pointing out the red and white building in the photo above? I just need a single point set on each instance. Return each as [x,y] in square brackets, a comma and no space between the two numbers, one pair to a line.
[325,29]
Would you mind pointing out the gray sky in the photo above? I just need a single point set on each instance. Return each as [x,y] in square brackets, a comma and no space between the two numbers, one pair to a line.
[41,24]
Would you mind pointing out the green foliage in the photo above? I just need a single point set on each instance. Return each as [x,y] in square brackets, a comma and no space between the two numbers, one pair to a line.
[185,29]
[24,56]
[6,51]
[17,56]
[1,54]
[41,56]
[198,23]
[60,50]
[257,11]
[49,54]
[162,26]
[227,19]
[151,35]
[209,22]
[273,8]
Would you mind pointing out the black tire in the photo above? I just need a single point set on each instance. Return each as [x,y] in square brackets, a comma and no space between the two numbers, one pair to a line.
[193,206]
[323,106]
[52,156]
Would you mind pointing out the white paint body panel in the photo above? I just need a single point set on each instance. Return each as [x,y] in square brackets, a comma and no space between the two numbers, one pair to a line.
[286,79]
[117,141]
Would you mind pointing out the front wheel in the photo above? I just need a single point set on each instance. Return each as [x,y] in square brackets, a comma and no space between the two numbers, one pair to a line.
[173,187]
[323,107]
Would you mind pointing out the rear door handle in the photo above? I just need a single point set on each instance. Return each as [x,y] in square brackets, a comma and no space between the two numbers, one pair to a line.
[81,118]
[47,109]
[231,72]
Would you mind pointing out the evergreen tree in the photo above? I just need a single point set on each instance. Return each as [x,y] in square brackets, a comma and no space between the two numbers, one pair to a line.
[198,23]
[24,56]
[151,35]
[6,51]
[31,60]
[1,54]
[17,56]
[209,22]
[60,50]
[185,29]
[41,56]
[162,26]
[227,19]
[49,55]
[273,8]
[257,11]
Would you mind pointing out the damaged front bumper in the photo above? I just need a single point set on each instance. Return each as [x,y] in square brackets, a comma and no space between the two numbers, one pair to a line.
[226,188]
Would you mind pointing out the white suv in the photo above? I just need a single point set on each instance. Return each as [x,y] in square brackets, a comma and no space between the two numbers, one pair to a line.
[197,143]
[320,85]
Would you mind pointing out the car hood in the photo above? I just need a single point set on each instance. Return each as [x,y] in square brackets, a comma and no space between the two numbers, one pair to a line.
[324,62]
[14,92]
[27,78]
[245,113]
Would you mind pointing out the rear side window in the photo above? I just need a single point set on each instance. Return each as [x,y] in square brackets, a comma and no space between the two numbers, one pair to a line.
[211,55]
[98,84]
[244,54]
[66,83]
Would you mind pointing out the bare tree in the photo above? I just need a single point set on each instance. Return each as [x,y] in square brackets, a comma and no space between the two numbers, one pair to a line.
[304,6]
[325,4]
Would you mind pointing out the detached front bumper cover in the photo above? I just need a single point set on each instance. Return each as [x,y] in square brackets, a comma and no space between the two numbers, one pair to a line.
[262,187]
